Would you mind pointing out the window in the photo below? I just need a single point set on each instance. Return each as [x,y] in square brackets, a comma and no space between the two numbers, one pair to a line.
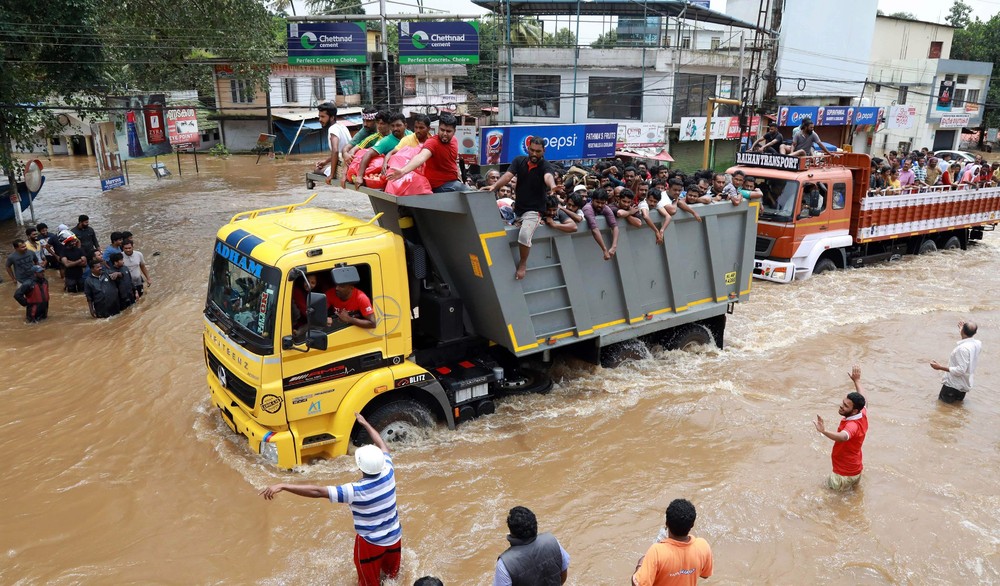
[319,88]
[958,100]
[692,91]
[289,90]
[242,91]
[935,52]
[618,98]
[901,97]
[962,79]
[409,86]
[949,77]
[716,43]
[972,97]
[813,200]
[839,196]
[537,95]
[685,42]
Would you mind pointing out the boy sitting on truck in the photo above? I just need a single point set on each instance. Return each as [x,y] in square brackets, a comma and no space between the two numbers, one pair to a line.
[348,303]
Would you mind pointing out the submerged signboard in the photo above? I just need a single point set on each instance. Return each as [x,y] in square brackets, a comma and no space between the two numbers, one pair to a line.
[454,42]
[313,43]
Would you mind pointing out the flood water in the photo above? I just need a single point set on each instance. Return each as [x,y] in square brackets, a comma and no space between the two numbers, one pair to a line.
[116,469]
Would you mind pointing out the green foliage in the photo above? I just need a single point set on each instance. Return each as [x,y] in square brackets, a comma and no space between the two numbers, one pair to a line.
[904,15]
[219,151]
[608,40]
[77,52]
[959,15]
[562,38]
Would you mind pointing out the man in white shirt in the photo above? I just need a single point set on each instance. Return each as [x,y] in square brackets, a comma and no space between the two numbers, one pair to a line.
[337,136]
[136,265]
[961,365]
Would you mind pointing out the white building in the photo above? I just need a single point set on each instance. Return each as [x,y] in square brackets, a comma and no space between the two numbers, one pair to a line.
[910,66]
[431,88]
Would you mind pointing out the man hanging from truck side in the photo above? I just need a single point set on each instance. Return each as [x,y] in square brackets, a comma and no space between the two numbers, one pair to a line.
[535,180]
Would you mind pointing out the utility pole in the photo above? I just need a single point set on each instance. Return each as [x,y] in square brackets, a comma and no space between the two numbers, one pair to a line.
[770,100]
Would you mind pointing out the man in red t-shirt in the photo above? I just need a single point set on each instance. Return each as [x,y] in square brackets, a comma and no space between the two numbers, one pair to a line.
[347,302]
[850,435]
[439,156]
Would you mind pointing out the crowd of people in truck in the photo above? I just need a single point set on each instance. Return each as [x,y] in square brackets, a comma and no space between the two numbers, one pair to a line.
[921,170]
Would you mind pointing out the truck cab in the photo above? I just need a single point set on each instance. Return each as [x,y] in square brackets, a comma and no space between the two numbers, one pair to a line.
[805,212]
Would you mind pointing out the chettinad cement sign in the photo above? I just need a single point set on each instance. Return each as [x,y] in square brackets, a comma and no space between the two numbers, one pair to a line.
[337,43]
[454,42]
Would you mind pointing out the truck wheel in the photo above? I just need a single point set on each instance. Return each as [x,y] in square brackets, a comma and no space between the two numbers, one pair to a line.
[689,337]
[953,243]
[397,421]
[824,265]
[927,246]
[526,380]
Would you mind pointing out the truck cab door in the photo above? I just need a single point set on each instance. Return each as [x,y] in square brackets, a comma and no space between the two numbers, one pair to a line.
[813,211]
[315,382]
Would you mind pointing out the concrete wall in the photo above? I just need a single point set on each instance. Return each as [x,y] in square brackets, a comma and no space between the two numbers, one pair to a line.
[907,39]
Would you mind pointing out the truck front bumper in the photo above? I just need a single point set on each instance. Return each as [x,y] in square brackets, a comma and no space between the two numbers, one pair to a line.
[771,270]
[275,446]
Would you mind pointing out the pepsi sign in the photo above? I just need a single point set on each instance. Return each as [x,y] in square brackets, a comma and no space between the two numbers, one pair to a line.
[502,144]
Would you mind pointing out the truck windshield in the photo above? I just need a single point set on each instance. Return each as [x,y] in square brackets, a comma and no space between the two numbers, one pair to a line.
[780,196]
[245,294]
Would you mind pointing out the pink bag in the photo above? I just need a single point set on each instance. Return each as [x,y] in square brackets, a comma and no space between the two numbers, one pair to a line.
[413,183]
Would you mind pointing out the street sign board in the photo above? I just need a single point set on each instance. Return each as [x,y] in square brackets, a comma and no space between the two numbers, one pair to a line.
[502,144]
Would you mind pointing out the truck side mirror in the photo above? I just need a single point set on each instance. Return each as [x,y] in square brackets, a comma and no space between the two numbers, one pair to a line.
[316,339]
[317,310]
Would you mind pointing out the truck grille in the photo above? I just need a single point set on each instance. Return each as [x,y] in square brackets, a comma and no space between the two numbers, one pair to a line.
[764,245]
[246,393]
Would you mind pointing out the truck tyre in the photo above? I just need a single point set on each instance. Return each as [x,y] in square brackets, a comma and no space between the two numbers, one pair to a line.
[688,337]
[953,243]
[927,246]
[525,380]
[398,421]
[824,265]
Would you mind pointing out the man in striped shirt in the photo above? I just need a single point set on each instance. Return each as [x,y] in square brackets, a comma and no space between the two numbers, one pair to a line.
[378,543]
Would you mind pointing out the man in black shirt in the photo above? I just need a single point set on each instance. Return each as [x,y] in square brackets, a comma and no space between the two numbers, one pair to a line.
[122,279]
[87,236]
[771,141]
[101,291]
[535,181]
[74,261]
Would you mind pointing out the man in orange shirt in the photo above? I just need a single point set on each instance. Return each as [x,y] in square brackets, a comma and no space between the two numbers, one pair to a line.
[850,435]
[678,559]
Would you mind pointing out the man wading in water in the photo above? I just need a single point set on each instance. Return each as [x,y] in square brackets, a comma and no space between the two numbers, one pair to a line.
[846,455]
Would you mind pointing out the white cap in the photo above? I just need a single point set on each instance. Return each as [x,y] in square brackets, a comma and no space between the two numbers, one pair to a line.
[580,187]
[62,227]
[370,459]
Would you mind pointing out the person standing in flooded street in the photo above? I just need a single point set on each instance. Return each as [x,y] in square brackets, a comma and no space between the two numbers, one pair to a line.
[957,380]
[849,437]
[378,542]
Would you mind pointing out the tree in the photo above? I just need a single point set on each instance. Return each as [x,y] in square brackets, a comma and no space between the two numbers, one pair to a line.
[562,38]
[335,7]
[608,40]
[980,41]
[78,52]
[960,14]
[904,15]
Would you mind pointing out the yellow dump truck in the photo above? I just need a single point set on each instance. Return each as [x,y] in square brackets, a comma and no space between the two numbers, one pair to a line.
[453,329]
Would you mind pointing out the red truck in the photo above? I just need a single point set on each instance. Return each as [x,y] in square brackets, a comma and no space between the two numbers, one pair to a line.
[818,214]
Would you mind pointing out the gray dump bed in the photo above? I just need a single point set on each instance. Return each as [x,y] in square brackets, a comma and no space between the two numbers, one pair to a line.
[570,293]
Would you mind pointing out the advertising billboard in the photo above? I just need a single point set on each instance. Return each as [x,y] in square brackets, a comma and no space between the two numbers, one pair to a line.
[182,128]
[140,125]
[454,42]
[338,43]
[945,96]
[633,135]
[468,143]
[793,115]
[501,144]
[109,163]
[723,127]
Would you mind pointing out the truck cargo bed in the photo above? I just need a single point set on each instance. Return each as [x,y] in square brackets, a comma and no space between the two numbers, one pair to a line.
[570,294]
[932,209]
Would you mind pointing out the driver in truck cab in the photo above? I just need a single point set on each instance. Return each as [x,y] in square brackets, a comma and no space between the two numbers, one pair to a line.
[348,303]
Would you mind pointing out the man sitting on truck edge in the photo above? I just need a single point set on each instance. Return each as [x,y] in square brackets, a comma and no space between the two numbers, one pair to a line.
[805,138]
[849,437]
[349,304]
[439,156]
[378,543]
[772,141]
[535,180]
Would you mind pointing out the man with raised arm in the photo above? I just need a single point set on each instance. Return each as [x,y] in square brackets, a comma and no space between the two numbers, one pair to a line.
[378,543]
[850,435]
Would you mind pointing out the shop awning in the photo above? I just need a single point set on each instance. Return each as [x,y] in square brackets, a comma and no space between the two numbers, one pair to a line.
[651,154]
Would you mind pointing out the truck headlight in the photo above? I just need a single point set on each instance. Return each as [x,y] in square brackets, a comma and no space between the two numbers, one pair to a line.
[269,451]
